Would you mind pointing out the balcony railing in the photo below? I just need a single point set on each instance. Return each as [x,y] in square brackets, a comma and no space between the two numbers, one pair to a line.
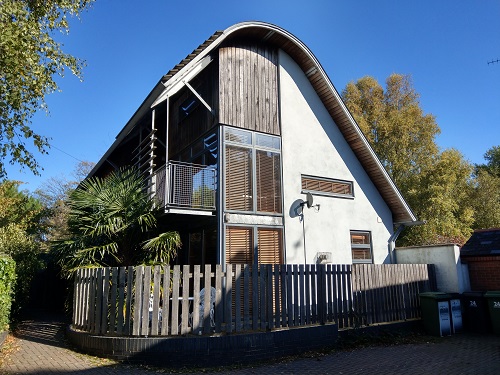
[186,185]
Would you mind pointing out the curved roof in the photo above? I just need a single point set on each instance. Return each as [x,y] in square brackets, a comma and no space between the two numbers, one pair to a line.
[318,78]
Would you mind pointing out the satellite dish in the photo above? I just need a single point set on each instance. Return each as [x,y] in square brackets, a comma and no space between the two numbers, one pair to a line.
[309,200]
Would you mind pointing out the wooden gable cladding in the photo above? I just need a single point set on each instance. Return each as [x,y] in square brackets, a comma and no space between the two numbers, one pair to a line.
[248,88]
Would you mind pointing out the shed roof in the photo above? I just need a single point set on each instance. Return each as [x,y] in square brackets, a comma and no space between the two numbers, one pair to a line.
[318,78]
[482,242]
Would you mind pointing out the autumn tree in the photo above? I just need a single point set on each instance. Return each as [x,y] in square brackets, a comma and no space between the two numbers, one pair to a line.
[30,61]
[486,193]
[435,184]
[54,194]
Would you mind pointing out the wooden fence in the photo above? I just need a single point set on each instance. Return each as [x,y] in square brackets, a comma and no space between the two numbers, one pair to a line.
[160,301]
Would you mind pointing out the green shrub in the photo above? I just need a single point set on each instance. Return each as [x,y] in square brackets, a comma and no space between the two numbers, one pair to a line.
[7,280]
[25,252]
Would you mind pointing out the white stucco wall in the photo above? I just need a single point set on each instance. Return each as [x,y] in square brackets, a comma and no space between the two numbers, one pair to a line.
[313,145]
[451,275]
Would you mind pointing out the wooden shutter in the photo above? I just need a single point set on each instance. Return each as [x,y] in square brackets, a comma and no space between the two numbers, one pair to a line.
[327,186]
[238,178]
[239,245]
[268,174]
[270,246]
[239,250]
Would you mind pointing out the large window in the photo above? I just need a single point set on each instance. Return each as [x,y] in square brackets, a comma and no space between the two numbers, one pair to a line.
[240,246]
[253,172]
[361,247]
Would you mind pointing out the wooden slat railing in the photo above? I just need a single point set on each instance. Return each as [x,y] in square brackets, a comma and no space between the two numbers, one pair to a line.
[161,301]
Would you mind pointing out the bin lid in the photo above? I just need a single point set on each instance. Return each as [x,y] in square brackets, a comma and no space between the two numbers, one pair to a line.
[435,295]
[473,294]
[492,294]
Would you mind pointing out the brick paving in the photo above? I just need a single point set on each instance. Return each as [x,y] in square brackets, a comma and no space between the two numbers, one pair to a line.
[38,347]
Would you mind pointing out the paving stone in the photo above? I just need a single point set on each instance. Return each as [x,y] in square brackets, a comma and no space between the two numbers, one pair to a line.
[41,349]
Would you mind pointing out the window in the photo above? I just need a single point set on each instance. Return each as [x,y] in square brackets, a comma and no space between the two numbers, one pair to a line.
[361,247]
[268,180]
[239,178]
[240,245]
[253,172]
[327,186]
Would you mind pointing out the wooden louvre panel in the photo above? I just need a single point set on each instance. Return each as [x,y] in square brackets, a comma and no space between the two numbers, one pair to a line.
[239,250]
[268,174]
[270,245]
[270,250]
[238,178]
[327,186]
[239,245]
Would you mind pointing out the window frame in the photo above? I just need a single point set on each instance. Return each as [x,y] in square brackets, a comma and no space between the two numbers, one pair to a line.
[330,180]
[364,247]
[255,253]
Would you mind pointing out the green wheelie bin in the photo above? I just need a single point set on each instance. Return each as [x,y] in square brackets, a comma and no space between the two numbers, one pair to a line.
[493,299]
[435,308]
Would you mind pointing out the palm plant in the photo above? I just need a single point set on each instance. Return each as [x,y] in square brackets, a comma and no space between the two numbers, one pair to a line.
[113,222]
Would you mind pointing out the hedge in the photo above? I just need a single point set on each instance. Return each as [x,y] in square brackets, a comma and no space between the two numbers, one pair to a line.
[7,279]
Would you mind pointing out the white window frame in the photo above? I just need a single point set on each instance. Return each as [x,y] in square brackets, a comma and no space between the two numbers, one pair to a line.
[368,246]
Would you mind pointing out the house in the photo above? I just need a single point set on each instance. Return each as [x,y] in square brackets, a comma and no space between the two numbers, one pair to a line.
[256,159]
[481,253]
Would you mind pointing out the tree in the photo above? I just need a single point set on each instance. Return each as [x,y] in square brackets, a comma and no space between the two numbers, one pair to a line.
[444,203]
[113,222]
[402,136]
[492,166]
[19,237]
[486,194]
[435,184]
[30,60]
[54,195]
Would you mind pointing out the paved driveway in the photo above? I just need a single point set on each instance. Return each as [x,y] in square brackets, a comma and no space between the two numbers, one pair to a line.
[38,347]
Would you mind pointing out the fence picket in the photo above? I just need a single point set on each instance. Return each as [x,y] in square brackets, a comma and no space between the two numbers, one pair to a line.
[174,325]
[121,306]
[289,294]
[185,300]
[278,295]
[165,308]
[238,319]
[129,300]
[270,297]
[113,307]
[219,308]
[228,307]
[207,297]
[105,302]
[301,291]
[155,318]
[246,296]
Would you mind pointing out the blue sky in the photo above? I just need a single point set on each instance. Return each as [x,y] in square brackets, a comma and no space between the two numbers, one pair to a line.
[128,45]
